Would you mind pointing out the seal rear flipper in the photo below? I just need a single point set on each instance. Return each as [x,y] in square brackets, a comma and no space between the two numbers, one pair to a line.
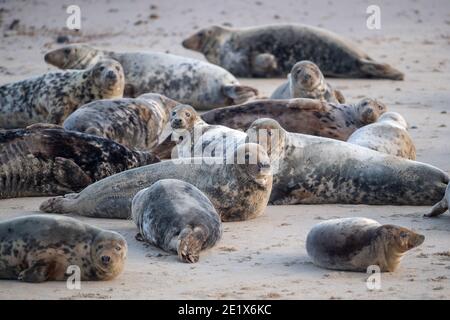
[264,64]
[239,93]
[372,69]
[438,209]
[190,243]
[60,204]
[339,96]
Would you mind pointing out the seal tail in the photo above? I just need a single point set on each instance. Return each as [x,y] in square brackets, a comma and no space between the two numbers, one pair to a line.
[372,69]
[60,204]
[239,93]
[190,243]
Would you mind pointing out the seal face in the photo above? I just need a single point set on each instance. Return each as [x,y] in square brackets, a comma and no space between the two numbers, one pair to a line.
[440,207]
[51,97]
[45,160]
[272,50]
[190,81]
[354,244]
[314,170]
[39,248]
[388,135]
[307,116]
[137,123]
[176,217]
[195,138]
[238,187]
[307,81]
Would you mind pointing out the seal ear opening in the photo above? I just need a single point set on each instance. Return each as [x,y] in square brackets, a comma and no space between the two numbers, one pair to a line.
[239,93]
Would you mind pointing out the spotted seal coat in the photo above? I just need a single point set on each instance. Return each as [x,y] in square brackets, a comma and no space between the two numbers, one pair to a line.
[176,217]
[354,244]
[440,207]
[313,170]
[137,123]
[51,97]
[40,248]
[46,160]
[307,81]
[272,50]
[190,81]
[389,135]
[238,187]
[307,116]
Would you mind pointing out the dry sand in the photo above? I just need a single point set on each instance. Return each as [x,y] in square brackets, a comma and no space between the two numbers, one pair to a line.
[266,257]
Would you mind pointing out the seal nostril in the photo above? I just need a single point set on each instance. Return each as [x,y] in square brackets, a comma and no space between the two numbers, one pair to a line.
[111,74]
[106,259]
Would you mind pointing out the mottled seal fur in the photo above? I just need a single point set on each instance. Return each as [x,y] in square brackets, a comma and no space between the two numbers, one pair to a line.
[51,97]
[45,160]
[39,248]
[307,81]
[440,207]
[314,170]
[354,244]
[272,50]
[195,138]
[388,135]
[137,123]
[177,217]
[190,81]
[238,190]
[307,116]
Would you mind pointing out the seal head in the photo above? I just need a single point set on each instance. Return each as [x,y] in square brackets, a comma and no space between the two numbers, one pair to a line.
[108,253]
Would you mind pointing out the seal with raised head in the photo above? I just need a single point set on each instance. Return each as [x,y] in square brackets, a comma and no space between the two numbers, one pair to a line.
[307,116]
[388,135]
[440,207]
[307,81]
[51,97]
[190,81]
[177,217]
[238,187]
[354,244]
[40,248]
[316,170]
[195,138]
[45,160]
[272,50]
[137,123]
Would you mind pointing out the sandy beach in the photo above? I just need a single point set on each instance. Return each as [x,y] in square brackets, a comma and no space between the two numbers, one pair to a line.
[263,258]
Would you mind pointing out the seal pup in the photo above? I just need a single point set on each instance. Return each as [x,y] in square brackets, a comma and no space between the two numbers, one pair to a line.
[316,170]
[136,123]
[440,207]
[51,97]
[388,135]
[195,138]
[307,81]
[40,248]
[354,244]
[307,116]
[177,217]
[272,50]
[190,81]
[238,187]
[45,160]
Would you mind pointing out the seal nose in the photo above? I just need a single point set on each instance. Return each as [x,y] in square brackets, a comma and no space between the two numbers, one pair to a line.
[106,259]
[111,75]
[176,122]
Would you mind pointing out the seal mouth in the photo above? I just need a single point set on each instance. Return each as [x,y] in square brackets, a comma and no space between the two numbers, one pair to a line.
[177,124]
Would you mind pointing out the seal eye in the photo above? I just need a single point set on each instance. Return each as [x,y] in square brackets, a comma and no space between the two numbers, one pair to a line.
[67,51]
[403,235]
[102,68]
[269,133]
[174,113]
[118,248]
[247,157]
[188,114]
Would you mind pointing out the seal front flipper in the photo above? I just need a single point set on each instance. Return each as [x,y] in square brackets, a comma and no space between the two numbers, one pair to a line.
[69,174]
[372,69]
[164,149]
[264,64]
[190,243]
[239,93]
[339,96]
[38,272]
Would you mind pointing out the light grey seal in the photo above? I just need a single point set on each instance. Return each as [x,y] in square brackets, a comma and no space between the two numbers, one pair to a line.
[354,244]
[190,81]
[39,248]
[176,217]
[272,50]
[307,81]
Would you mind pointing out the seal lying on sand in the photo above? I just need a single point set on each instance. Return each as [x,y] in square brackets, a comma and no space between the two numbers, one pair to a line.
[135,123]
[307,81]
[190,81]
[272,50]
[388,135]
[442,206]
[314,170]
[53,96]
[45,160]
[176,217]
[238,187]
[39,248]
[308,116]
[354,244]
